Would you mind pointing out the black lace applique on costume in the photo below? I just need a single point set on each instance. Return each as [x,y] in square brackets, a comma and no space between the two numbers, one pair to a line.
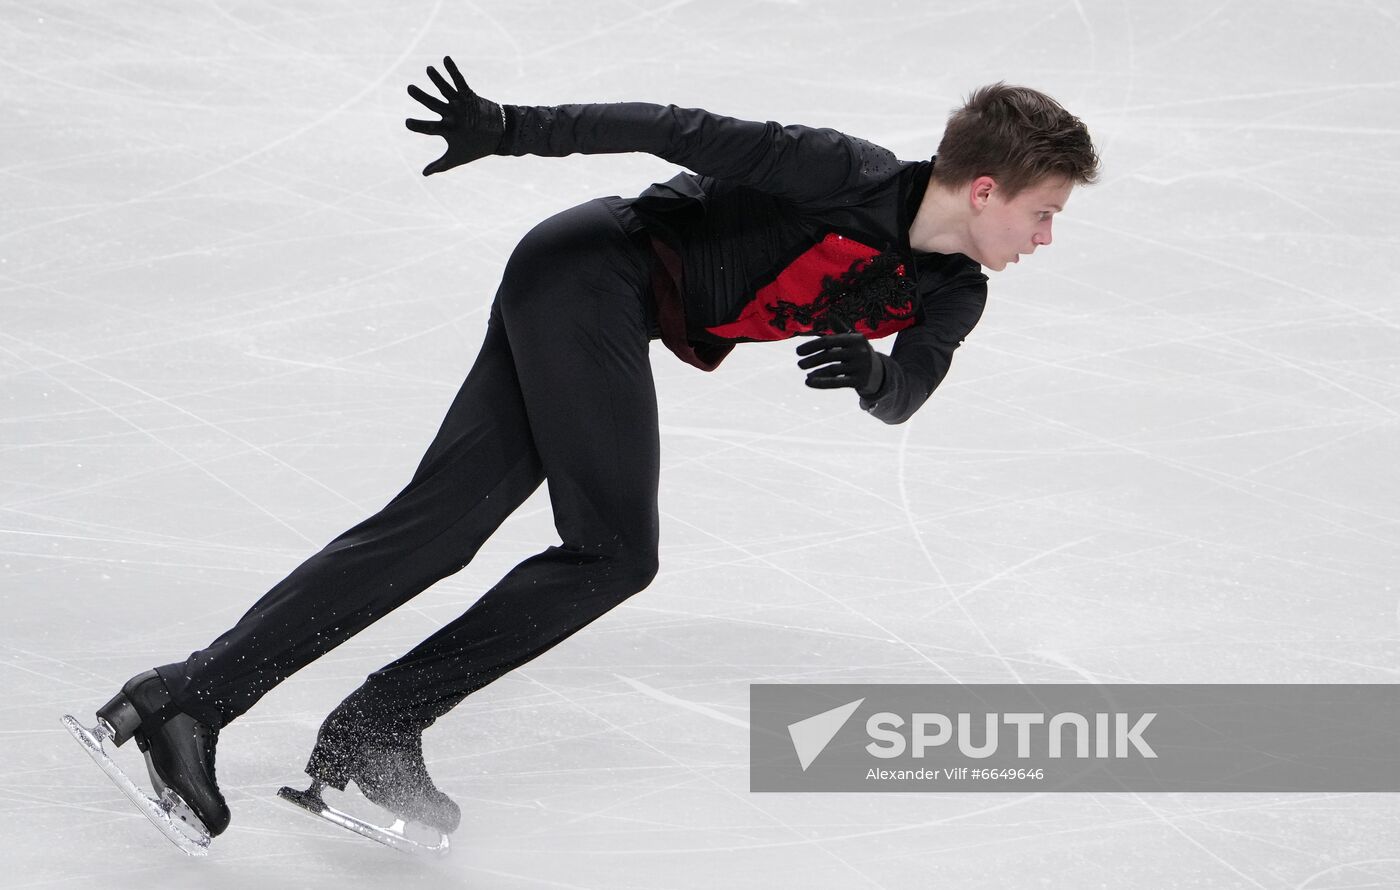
[872,290]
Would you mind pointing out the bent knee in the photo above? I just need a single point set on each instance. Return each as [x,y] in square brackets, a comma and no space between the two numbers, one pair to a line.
[622,570]
[644,571]
[631,571]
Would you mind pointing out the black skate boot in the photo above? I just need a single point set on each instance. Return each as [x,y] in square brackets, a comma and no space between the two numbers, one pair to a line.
[179,749]
[187,807]
[387,767]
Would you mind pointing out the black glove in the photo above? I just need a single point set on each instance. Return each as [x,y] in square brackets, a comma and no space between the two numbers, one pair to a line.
[472,126]
[848,360]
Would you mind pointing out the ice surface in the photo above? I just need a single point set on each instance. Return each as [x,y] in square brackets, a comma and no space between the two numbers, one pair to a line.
[232,315]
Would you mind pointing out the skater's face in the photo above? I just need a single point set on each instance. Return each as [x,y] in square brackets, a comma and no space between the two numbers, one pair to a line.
[1003,230]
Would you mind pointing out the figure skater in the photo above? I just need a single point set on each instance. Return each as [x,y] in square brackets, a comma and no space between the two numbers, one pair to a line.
[780,232]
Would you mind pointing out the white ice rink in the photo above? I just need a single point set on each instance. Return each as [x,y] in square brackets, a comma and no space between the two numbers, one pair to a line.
[232,314]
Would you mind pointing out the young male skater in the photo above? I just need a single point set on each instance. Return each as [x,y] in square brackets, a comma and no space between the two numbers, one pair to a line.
[778,232]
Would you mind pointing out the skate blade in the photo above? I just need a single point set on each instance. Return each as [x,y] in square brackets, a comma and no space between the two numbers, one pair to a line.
[170,815]
[392,836]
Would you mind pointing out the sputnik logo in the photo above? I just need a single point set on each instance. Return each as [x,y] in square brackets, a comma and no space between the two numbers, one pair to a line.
[811,736]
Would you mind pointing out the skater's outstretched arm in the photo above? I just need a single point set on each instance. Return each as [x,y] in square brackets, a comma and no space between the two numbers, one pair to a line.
[800,164]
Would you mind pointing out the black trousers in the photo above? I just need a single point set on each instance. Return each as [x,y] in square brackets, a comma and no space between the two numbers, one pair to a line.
[562,392]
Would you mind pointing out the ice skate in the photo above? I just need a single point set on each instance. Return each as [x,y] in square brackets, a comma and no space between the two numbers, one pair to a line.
[388,770]
[396,834]
[179,751]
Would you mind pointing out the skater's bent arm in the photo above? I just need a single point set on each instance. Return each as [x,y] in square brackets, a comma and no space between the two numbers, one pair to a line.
[801,164]
[922,355]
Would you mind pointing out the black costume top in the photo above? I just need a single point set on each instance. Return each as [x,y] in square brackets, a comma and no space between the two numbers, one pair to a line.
[783,231]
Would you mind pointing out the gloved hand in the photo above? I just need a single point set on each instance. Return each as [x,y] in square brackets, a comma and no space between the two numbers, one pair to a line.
[844,359]
[472,126]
